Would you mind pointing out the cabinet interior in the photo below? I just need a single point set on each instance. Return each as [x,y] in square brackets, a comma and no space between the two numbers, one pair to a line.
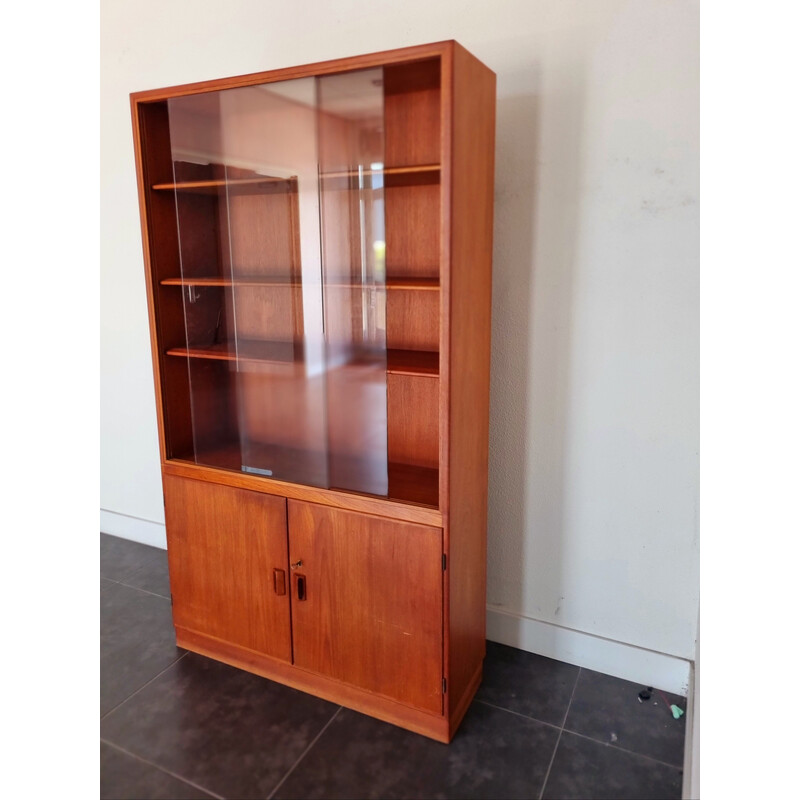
[315,363]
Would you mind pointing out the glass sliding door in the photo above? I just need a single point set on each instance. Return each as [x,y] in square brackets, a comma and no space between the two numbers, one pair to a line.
[351,147]
[256,361]
[279,201]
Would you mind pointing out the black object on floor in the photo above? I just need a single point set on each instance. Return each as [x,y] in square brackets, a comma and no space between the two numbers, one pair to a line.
[178,725]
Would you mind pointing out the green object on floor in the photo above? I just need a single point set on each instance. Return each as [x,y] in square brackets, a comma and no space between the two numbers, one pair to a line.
[676,712]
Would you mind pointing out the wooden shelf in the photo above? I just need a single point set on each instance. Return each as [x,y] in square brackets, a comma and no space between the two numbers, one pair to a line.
[285,353]
[212,186]
[406,284]
[407,170]
[398,362]
[393,177]
[245,280]
[418,363]
[417,284]
[413,484]
[412,362]
[407,483]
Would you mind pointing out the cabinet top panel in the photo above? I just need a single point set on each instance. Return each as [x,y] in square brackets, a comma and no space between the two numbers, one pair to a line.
[432,50]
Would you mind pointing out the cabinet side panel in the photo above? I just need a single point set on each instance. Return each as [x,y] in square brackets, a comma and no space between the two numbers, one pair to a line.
[162,261]
[224,546]
[470,341]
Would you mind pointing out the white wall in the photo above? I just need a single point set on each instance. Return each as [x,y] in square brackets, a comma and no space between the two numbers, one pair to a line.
[593,520]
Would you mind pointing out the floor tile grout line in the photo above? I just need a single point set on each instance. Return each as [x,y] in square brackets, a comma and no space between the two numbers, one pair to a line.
[560,734]
[550,765]
[571,698]
[139,589]
[518,714]
[623,749]
[582,735]
[144,685]
[162,769]
[303,754]
[121,582]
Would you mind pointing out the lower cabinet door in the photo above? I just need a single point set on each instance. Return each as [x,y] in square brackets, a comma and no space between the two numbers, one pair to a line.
[228,564]
[367,602]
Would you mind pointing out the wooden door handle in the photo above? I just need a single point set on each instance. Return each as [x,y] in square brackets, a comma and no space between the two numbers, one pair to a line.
[279,581]
[300,587]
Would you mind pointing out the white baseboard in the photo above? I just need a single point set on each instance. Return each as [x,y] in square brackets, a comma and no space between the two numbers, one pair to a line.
[646,667]
[138,530]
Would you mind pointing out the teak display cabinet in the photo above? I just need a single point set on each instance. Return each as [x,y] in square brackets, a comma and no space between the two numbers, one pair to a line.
[318,245]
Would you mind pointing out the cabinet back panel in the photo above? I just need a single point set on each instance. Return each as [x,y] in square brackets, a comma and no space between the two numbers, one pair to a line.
[354,318]
[213,404]
[413,404]
[179,440]
[356,414]
[412,112]
[340,234]
[171,322]
[412,320]
[207,314]
[272,313]
[283,406]
[199,221]
[264,232]
[412,231]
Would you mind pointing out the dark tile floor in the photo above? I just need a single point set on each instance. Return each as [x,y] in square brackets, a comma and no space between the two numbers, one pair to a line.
[177,725]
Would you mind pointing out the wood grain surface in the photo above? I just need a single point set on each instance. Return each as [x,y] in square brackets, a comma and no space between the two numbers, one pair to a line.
[223,547]
[373,612]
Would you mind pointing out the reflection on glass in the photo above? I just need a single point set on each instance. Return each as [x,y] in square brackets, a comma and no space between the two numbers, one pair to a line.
[352,222]
[279,199]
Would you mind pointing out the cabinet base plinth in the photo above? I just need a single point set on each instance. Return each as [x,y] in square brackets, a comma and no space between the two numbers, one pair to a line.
[463,704]
[434,727]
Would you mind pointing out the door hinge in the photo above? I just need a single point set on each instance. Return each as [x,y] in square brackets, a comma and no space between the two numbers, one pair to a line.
[444,561]
[444,685]
[171,599]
